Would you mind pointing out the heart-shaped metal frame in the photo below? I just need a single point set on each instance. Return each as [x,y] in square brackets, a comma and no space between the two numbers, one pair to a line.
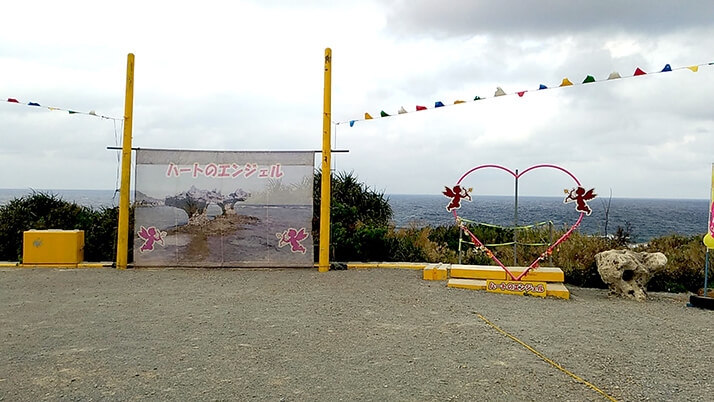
[548,251]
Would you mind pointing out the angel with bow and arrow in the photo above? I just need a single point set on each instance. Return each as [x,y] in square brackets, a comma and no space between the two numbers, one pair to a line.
[456,193]
[580,197]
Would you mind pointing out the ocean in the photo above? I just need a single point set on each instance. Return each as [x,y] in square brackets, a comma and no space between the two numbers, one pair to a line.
[647,218]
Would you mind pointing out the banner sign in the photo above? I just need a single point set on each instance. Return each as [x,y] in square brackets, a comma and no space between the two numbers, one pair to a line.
[517,287]
[223,209]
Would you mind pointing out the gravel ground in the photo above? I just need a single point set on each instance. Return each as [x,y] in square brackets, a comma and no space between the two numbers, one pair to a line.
[368,334]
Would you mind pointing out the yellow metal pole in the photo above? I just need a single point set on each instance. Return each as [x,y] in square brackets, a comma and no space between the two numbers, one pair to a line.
[123,227]
[324,260]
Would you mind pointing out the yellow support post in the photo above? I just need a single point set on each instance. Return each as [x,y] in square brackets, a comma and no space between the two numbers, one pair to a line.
[324,259]
[123,226]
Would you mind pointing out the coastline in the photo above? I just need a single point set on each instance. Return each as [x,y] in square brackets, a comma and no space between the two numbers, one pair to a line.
[648,217]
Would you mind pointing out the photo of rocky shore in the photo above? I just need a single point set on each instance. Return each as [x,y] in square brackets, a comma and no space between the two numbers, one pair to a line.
[225,223]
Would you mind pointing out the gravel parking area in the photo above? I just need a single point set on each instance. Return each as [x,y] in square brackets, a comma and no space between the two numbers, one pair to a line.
[363,334]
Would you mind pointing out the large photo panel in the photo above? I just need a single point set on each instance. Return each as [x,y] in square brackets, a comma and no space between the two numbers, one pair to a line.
[223,209]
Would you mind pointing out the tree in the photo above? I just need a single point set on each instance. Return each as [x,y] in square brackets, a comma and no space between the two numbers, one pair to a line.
[359,218]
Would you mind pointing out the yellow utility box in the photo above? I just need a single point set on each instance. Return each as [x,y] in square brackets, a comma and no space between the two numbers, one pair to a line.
[53,247]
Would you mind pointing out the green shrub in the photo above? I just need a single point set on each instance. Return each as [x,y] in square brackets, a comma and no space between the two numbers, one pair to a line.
[43,211]
[416,245]
[685,263]
[576,257]
[359,219]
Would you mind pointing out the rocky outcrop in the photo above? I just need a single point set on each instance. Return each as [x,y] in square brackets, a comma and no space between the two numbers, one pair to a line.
[627,272]
[196,200]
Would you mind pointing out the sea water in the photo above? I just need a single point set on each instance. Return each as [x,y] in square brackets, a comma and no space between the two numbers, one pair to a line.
[647,218]
[87,198]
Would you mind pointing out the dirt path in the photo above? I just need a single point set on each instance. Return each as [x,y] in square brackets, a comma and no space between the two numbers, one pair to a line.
[378,334]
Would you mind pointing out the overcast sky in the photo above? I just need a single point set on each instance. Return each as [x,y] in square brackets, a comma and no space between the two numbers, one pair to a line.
[248,75]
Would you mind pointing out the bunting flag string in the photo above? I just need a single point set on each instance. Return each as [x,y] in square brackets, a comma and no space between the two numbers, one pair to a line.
[500,92]
[70,111]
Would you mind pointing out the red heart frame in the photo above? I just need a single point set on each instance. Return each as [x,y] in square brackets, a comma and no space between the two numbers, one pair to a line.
[549,251]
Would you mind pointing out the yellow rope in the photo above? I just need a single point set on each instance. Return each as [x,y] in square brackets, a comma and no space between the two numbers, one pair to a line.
[506,227]
[556,365]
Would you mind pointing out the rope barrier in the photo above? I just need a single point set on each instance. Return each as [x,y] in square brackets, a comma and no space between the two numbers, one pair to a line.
[506,227]
[554,364]
[507,244]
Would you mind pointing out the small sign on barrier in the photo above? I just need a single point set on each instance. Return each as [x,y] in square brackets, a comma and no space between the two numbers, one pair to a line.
[517,287]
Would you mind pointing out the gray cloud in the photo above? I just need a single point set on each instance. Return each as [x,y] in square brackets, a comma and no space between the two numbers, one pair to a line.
[537,19]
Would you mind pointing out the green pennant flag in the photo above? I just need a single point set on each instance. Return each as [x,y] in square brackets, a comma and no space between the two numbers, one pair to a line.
[72,112]
[589,78]
[383,114]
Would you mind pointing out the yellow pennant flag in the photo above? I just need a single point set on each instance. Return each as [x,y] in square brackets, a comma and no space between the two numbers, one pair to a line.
[694,68]
[367,116]
[459,101]
[566,82]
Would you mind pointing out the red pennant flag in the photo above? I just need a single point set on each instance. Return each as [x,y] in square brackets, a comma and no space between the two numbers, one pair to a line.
[521,93]
[420,108]
[12,100]
[639,72]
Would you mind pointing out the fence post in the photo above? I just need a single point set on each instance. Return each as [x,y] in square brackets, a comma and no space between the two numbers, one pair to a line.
[461,235]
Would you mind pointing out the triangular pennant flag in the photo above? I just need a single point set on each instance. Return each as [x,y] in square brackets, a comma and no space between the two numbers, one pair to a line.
[33,104]
[53,108]
[12,100]
[92,112]
[588,79]
[457,102]
[694,68]
[367,116]
[566,82]
[614,75]
[383,114]
[521,93]
[499,92]
[418,108]
[352,123]
[541,86]
[73,112]
[666,68]
[438,104]
[639,72]
[477,97]
[402,110]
